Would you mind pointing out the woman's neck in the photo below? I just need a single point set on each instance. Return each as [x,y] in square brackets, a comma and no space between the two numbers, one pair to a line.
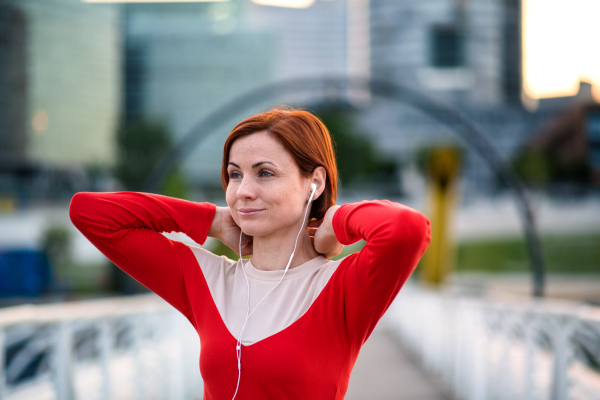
[272,253]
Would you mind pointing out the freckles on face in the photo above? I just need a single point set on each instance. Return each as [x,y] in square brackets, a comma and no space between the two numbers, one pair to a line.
[266,189]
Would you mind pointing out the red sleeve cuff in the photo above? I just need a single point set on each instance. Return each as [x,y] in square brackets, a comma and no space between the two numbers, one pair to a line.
[340,225]
[203,218]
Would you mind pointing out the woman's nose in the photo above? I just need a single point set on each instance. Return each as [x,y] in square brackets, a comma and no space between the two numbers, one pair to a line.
[246,189]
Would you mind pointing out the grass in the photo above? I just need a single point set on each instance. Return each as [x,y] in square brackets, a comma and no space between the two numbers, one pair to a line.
[562,254]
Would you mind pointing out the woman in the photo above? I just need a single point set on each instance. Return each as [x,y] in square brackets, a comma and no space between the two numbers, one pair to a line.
[301,342]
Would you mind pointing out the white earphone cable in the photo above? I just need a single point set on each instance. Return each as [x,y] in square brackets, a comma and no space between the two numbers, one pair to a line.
[238,346]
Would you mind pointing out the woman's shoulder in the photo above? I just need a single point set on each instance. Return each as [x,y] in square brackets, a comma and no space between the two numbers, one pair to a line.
[206,257]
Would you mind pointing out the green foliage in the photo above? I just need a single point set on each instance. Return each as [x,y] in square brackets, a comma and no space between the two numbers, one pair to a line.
[539,168]
[141,144]
[357,158]
[175,185]
[56,242]
[534,167]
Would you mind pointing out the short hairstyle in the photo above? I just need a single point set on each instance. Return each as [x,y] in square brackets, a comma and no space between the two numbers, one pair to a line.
[304,136]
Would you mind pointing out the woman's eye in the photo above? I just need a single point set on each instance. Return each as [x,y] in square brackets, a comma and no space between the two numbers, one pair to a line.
[264,173]
[234,175]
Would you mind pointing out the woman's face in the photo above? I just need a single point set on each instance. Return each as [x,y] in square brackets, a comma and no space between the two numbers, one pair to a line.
[266,193]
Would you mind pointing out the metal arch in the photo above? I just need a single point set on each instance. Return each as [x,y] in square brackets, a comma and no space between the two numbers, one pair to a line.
[388,90]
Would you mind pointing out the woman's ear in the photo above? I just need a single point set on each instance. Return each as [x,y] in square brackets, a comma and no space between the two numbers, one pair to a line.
[319,176]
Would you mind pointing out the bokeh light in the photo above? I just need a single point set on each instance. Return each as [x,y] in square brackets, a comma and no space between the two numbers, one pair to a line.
[40,122]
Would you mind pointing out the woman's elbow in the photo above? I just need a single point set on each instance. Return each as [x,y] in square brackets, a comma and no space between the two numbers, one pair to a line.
[80,202]
[414,226]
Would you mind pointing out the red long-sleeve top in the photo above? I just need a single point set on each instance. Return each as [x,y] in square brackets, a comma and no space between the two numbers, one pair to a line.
[312,357]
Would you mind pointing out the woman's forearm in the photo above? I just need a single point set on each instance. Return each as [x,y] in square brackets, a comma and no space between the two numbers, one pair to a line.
[93,212]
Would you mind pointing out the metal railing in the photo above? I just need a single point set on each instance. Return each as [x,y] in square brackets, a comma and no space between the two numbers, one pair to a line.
[139,347]
[511,349]
[134,347]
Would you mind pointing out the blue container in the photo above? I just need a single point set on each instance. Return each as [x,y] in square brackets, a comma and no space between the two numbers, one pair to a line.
[24,272]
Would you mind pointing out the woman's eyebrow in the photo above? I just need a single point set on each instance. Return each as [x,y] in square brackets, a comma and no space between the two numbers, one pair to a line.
[263,162]
[258,164]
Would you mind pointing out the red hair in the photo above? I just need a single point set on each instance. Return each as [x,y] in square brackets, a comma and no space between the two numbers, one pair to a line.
[304,136]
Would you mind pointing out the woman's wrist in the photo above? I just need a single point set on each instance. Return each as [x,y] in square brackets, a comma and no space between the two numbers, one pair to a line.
[215,227]
[326,242]
[328,219]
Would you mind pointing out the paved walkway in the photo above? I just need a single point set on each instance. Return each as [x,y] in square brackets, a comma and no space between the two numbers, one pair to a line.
[384,371]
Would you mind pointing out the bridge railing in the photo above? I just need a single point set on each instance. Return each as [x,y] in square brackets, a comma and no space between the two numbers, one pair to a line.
[134,347]
[512,349]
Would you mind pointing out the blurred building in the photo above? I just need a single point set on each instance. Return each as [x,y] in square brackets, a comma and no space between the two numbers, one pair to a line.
[60,80]
[466,54]
[68,61]
[183,60]
[13,83]
[306,41]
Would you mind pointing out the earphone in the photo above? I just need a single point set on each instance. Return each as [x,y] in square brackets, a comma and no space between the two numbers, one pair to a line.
[313,189]
[238,346]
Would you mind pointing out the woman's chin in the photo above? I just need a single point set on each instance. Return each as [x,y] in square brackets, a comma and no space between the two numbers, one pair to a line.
[254,229]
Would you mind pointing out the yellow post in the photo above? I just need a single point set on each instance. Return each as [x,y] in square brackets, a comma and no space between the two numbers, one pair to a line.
[443,164]
[8,204]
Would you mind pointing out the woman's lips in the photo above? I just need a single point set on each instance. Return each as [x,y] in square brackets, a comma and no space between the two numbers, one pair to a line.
[247,212]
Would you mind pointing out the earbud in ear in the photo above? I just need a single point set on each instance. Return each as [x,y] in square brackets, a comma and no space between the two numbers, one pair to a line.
[313,189]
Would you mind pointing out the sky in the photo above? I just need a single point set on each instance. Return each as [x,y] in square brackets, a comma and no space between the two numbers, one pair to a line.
[560,46]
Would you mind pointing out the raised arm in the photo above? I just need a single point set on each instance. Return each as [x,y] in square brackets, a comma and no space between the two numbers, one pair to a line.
[397,236]
[126,226]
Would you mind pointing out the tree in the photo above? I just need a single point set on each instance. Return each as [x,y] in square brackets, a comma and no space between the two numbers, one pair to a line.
[141,144]
[357,158]
[541,168]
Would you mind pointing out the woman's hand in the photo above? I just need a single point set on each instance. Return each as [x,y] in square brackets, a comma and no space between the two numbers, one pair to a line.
[227,231]
[322,235]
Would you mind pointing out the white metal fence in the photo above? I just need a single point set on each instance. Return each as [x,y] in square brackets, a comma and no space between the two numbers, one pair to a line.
[139,347]
[135,347]
[490,349]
